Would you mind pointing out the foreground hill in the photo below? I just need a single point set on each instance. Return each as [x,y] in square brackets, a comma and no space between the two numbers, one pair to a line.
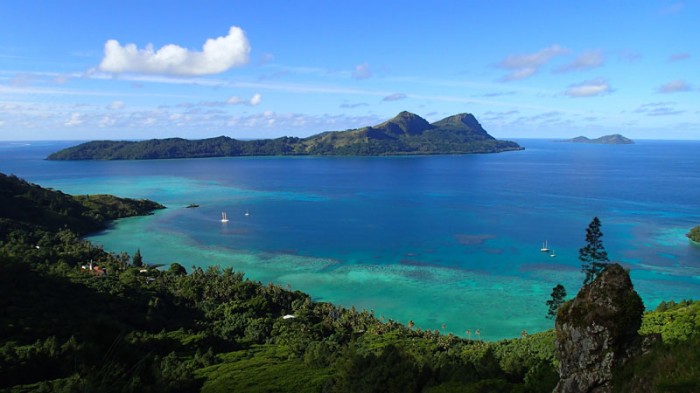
[141,329]
[23,203]
[406,133]
[614,139]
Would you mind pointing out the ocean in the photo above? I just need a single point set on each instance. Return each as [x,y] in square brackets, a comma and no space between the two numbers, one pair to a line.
[449,242]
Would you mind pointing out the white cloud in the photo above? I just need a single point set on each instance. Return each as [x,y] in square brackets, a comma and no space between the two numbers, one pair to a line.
[106,121]
[679,57]
[116,105]
[253,101]
[523,66]
[22,80]
[394,97]
[674,87]
[217,55]
[61,79]
[658,109]
[585,61]
[266,58]
[630,56]
[352,106]
[362,71]
[673,8]
[75,120]
[589,88]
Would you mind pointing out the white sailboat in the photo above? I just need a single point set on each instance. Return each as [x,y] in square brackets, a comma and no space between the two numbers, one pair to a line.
[544,247]
[553,255]
[224,217]
[247,213]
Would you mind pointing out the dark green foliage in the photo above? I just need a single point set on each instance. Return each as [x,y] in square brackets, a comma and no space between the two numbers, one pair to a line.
[694,234]
[593,256]
[558,297]
[137,260]
[406,133]
[675,322]
[177,269]
[391,370]
[23,203]
[672,364]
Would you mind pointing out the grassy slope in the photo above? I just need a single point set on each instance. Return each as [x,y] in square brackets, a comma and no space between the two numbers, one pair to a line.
[672,364]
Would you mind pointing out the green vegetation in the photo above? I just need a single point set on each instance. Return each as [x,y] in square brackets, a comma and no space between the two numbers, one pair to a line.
[122,328]
[593,256]
[672,362]
[23,204]
[694,234]
[557,298]
[406,133]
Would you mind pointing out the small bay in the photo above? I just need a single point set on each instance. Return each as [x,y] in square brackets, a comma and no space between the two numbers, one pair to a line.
[451,240]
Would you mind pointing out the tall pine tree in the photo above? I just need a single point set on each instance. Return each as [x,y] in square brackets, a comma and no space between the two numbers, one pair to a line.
[593,256]
[558,297]
[138,259]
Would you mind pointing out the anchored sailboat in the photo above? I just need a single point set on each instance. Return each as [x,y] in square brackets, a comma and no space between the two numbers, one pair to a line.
[544,247]
[224,217]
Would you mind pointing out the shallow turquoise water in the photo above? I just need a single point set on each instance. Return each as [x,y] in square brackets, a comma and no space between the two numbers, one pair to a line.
[442,239]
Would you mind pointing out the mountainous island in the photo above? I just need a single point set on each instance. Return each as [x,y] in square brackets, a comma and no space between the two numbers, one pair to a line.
[614,139]
[405,134]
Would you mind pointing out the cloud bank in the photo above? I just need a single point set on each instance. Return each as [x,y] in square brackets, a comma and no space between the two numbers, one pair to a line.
[585,61]
[589,88]
[674,87]
[523,66]
[362,71]
[217,55]
[253,101]
[395,97]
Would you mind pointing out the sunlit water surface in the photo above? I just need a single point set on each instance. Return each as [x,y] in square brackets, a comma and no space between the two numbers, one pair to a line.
[451,240]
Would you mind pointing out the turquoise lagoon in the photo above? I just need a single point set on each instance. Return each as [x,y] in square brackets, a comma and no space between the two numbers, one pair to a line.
[451,240]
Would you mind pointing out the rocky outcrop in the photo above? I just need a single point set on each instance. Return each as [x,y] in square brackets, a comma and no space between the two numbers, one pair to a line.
[597,332]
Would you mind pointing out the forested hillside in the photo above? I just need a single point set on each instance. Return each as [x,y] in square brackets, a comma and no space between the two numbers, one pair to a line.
[128,326]
[406,133]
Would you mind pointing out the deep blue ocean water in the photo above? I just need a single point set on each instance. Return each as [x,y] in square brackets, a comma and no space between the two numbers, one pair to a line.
[433,239]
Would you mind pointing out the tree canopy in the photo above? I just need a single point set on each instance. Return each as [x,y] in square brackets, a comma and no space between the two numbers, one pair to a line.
[557,298]
[593,256]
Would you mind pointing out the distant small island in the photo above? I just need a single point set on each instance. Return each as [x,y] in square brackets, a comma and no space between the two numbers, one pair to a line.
[614,139]
[694,234]
[405,134]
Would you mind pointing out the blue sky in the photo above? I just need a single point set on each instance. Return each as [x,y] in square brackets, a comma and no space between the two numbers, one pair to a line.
[83,70]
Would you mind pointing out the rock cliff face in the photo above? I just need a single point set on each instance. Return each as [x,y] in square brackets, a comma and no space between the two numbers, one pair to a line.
[597,332]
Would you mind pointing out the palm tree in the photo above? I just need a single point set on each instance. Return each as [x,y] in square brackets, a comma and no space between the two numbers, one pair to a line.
[469,334]
[411,324]
[478,334]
